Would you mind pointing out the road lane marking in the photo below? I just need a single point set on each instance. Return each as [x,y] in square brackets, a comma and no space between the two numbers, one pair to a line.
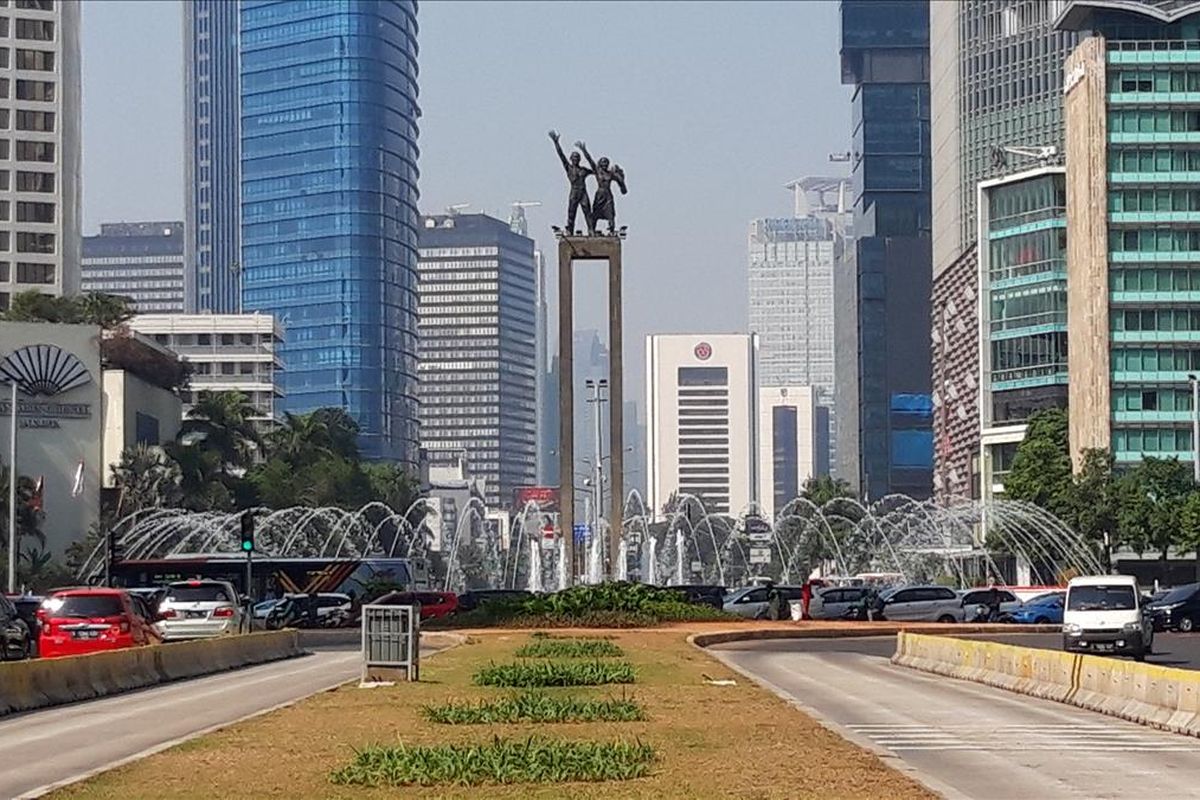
[1022,738]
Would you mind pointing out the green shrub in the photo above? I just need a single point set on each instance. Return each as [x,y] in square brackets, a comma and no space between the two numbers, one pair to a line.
[534,760]
[570,648]
[522,674]
[536,707]
[605,605]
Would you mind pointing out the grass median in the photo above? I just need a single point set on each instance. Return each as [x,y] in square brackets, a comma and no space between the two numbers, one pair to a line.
[707,740]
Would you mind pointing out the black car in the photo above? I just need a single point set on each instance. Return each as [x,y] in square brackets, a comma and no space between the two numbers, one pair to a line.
[1178,609]
[701,594]
[16,638]
[469,601]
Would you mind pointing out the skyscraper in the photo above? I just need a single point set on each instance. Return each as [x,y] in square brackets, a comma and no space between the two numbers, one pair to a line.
[479,370]
[885,56]
[212,113]
[329,205]
[40,116]
[1133,223]
[792,264]
[996,83]
[139,260]
[702,420]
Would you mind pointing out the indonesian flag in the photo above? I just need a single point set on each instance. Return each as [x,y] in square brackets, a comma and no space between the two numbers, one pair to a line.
[77,484]
[36,500]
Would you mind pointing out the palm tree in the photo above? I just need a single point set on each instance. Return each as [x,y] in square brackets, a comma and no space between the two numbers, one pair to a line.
[221,422]
[821,490]
[29,518]
[201,483]
[147,478]
[343,431]
[300,439]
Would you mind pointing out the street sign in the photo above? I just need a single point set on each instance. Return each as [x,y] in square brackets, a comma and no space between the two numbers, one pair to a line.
[582,531]
[697,566]
[765,536]
[760,555]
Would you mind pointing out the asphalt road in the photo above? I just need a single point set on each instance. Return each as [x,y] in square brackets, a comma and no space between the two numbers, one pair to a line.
[1180,650]
[967,740]
[41,750]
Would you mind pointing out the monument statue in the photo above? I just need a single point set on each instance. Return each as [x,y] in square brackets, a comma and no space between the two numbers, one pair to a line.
[577,176]
[602,205]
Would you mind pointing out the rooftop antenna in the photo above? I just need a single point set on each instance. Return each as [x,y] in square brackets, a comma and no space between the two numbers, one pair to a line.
[456,208]
[799,198]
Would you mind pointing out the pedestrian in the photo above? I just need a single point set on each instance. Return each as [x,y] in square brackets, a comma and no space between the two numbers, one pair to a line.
[774,601]
[805,599]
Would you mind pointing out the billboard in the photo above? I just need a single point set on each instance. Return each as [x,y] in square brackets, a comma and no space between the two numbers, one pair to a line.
[546,498]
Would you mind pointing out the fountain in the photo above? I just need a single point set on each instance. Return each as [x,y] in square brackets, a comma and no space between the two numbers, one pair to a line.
[962,543]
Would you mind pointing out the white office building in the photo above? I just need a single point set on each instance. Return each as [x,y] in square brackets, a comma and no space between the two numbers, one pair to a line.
[702,419]
[793,444]
[227,352]
[39,148]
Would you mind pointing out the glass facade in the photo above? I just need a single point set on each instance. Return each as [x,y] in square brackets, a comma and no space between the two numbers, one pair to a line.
[478,324]
[1026,295]
[329,205]
[885,56]
[212,276]
[139,260]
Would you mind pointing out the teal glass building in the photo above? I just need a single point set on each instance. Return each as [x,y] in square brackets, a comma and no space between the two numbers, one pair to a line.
[329,205]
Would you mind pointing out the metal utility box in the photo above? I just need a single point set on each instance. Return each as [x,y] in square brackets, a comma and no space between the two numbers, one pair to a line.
[391,643]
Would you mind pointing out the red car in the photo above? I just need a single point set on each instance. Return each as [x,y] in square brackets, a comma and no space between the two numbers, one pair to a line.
[433,604]
[76,622]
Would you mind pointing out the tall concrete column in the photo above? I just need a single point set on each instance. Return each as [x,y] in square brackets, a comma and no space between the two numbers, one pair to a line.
[570,250]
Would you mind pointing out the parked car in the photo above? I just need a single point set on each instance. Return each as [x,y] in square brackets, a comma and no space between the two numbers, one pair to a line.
[1104,614]
[922,604]
[263,609]
[433,604]
[469,601]
[834,602]
[201,609]
[81,621]
[1178,609]
[701,594]
[16,641]
[753,602]
[972,598]
[1045,609]
[27,606]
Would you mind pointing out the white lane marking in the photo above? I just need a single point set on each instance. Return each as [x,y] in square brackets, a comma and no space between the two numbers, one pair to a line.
[1021,738]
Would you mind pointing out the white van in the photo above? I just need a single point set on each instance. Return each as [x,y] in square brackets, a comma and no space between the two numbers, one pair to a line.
[1103,614]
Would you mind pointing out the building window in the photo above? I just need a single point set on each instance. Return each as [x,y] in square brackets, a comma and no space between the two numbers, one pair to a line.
[146,429]
[28,242]
[36,5]
[37,30]
[35,212]
[5,271]
[36,90]
[41,121]
[35,151]
[34,273]
[38,60]
[34,181]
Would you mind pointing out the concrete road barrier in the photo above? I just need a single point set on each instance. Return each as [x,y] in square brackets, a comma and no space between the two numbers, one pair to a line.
[1162,697]
[26,685]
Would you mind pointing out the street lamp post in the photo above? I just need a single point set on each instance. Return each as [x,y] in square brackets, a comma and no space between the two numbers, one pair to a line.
[597,389]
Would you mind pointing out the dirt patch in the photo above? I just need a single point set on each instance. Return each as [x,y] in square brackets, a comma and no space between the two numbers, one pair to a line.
[712,741]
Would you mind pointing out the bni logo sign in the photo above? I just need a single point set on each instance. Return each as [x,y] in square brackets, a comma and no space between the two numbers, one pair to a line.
[703,351]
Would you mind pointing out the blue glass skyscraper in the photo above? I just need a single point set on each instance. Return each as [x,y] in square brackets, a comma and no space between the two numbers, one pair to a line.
[329,204]
[885,56]
[211,261]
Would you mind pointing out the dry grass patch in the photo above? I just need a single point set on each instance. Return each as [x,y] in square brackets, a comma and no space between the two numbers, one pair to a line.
[709,741]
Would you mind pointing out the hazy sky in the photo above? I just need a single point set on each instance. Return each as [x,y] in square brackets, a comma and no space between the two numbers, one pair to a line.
[709,107]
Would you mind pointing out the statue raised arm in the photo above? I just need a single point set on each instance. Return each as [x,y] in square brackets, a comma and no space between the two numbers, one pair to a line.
[577,175]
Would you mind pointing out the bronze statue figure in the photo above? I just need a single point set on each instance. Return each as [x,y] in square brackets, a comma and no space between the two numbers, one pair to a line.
[577,174]
[603,205]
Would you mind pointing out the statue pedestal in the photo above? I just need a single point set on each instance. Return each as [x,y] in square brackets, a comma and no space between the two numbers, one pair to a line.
[570,250]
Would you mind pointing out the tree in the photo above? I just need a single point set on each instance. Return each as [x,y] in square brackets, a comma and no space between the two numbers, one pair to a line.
[300,439]
[393,485]
[201,477]
[1094,502]
[146,477]
[96,308]
[221,422]
[821,489]
[30,539]
[1041,470]
[1151,499]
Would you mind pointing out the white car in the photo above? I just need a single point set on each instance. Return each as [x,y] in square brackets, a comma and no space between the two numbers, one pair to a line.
[200,609]
[1104,614]
[753,602]
[922,604]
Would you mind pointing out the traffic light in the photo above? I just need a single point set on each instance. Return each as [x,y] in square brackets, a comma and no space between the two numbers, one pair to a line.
[116,548]
[247,532]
